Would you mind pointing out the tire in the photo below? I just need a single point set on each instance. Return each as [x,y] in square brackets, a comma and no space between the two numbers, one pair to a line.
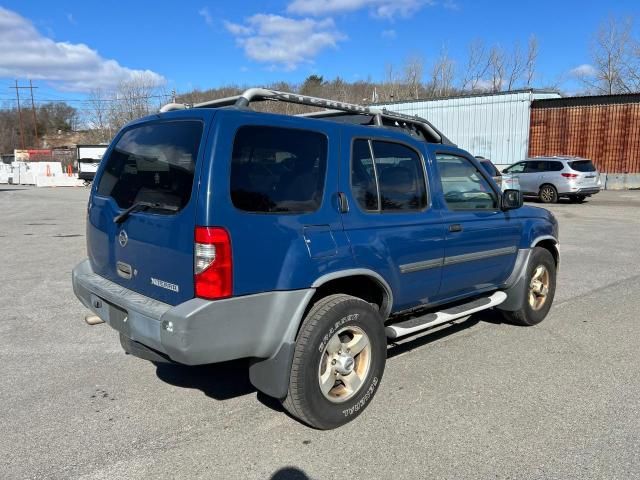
[548,193]
[332,324]
[535,306]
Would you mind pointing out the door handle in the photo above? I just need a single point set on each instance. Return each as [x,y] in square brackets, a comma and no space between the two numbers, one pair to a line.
[456,227]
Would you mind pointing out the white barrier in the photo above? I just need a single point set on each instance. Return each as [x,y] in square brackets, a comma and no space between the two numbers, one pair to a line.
[42,174]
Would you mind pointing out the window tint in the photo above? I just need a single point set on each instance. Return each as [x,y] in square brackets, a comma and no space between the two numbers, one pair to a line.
[517,168]
[463,185]
[278,169]
[153,163]
[553,166]
[363,177]
[400,177]
[582,166]
[535,166]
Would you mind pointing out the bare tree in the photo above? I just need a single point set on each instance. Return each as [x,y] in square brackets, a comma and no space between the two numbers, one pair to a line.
[390,89]
[532,58]
[442,75]
[615,58]
[516,67]
[477,67]
[97,116]
[413,72]
[497,68]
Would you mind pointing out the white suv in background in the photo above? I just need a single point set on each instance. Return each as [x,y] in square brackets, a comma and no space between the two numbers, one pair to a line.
[551,178]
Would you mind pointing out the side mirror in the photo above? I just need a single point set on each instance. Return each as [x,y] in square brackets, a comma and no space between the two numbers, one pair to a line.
[511,199]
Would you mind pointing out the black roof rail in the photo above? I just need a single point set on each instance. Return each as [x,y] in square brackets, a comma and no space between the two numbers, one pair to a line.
[334,108]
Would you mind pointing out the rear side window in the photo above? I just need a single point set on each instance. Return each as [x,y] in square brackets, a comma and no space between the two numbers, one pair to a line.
[277,170]
[400,177]
[582,166]
[554,166]
[153,163]
[394,181]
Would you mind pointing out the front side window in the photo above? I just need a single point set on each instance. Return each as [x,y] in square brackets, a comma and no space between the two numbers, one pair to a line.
[278,170]
[463,185]
[392,181]
[153,163]
[517,168]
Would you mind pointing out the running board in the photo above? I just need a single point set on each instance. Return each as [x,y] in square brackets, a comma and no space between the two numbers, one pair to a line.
[417,324]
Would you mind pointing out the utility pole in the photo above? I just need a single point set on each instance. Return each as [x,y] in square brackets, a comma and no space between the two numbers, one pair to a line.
[19,114]
[33,110]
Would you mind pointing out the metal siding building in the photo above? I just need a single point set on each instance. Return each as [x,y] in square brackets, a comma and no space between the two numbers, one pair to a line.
[495,126]
[605,129]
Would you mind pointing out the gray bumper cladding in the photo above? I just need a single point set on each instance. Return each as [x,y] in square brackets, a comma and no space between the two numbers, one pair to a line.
[197,331]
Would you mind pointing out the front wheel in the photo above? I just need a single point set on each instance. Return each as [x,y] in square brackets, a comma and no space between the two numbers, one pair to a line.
[540,289]
[338,362]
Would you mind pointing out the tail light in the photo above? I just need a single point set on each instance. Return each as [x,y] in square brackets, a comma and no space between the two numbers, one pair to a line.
[570,175]
[213,265]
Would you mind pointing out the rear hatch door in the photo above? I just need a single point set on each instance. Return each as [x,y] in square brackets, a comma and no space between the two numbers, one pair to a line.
[588,176]
[152,169]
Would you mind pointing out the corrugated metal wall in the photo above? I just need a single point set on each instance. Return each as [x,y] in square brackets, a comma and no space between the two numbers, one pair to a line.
[607,134]
[494,126]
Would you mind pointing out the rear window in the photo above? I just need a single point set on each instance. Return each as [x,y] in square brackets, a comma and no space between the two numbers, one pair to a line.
[582,166]
[278,170]
[153,163]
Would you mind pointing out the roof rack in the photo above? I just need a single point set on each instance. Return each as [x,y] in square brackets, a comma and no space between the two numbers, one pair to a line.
[380,116]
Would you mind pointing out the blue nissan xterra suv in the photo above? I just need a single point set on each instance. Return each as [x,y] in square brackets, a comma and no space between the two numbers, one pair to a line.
[216,232]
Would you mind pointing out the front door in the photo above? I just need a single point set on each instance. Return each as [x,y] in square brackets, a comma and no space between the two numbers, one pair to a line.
[391,224]
[481,240]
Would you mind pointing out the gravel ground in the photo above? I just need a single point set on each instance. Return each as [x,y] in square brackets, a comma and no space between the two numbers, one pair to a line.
[480,399]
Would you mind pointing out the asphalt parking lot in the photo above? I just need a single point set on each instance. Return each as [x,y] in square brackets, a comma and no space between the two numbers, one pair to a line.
[480,399]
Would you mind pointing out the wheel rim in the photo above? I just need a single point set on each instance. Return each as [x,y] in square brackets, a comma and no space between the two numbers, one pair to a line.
[547,194]
[345,364]
[539,287]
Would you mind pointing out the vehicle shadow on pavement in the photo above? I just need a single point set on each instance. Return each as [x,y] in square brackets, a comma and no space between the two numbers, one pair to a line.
[289,473]
[220,381]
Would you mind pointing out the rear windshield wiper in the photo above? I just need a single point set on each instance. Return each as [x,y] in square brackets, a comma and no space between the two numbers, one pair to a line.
[143,206]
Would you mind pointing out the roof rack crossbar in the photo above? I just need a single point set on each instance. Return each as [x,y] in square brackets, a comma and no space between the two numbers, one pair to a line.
[333,108]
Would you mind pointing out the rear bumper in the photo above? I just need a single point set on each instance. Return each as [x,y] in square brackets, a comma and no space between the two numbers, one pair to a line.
[197,331]
[579,191]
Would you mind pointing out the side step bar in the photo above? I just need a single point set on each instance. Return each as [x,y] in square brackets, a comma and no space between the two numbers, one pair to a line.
[417,324]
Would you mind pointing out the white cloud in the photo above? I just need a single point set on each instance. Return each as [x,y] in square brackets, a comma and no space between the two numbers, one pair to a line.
[379,8]
[284,42]
[26,53]
[204,13]
[388,34]
[584,70]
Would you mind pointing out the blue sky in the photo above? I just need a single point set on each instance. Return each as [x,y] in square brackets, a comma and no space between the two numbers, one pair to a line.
[70,47]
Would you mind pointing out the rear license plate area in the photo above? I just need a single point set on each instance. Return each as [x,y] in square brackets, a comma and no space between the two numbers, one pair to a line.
[115,316]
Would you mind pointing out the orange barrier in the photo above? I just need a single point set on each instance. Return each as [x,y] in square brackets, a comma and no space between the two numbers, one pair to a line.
[48,171]
[69,170]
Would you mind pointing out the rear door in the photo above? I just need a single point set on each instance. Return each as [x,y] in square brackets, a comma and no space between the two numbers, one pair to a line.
[481,240]
[391,224]
[151,251]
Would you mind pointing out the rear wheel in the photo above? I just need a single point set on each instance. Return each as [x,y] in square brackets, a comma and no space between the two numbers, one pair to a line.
[548,194]
[338,362]
[540,288]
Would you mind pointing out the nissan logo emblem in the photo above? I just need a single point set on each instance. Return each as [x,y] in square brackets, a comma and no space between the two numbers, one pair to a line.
[123,238]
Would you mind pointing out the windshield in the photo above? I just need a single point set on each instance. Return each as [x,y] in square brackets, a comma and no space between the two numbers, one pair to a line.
[153,163]
[582,166]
